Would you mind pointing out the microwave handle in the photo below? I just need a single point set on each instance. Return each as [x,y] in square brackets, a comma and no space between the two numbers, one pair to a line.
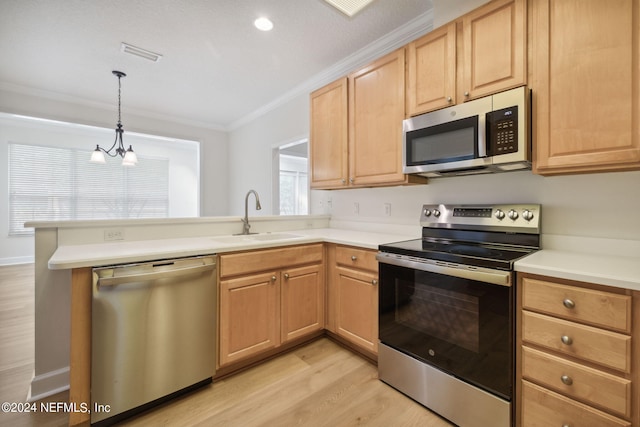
[482,135]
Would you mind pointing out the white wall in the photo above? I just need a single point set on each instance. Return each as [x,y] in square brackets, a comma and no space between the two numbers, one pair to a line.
[250,153]
[214,164]
[603,205]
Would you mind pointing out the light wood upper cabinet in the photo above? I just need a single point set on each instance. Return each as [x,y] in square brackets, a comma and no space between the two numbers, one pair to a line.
[585,69]
[483,52]
[358,120]
[329,133]
[494,48]
[376,111]
[431,71]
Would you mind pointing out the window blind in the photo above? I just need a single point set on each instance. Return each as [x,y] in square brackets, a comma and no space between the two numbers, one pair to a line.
[57,183]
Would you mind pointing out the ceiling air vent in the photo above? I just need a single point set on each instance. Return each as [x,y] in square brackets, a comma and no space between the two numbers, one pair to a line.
[142,53]
[349,7]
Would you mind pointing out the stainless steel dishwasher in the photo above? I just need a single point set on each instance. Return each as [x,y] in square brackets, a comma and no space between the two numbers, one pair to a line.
[153,334]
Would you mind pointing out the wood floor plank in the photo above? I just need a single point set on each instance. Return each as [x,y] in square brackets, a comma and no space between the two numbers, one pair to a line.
[319,384]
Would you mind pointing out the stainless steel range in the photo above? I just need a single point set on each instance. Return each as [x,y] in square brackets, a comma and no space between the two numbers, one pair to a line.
[447,310]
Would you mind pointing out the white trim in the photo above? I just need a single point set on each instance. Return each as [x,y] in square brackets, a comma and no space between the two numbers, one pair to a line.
[397,38]
[30,259]
[48,384]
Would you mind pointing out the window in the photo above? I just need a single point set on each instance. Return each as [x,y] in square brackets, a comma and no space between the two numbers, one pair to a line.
[293,181]
[52,183]
[50,177]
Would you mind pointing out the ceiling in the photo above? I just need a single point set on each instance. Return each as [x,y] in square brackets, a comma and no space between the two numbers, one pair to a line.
[217,69]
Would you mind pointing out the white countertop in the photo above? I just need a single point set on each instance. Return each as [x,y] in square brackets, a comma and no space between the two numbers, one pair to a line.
[108,253]
[610,270]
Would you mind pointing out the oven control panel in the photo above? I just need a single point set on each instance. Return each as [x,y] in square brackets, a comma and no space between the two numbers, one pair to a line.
[524,218]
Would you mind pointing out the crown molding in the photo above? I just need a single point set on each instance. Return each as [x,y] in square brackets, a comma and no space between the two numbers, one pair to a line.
[397,38]
[413,29]
[60,97]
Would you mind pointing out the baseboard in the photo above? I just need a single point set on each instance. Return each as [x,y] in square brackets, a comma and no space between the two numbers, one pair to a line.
[17,260]
[48,384]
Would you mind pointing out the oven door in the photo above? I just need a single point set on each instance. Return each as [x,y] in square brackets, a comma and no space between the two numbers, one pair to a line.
[456,318]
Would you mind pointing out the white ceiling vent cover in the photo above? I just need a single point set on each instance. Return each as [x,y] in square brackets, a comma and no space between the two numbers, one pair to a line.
[349,7]
[142,53]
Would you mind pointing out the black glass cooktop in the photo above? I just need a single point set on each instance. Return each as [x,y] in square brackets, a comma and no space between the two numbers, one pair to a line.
[476,254]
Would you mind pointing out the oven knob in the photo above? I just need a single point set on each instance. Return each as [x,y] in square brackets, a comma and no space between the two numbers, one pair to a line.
[527,214]
[499,214]
[427,212]
[513,214]
[436,213]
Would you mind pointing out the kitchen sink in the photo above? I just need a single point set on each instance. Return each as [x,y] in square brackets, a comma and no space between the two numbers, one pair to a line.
[245,238]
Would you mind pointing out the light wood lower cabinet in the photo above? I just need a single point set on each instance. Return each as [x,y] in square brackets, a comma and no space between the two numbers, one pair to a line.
[353,296]
[267,298]
[577,354]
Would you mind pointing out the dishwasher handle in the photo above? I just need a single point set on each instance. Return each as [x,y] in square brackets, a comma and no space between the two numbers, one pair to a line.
[146,277]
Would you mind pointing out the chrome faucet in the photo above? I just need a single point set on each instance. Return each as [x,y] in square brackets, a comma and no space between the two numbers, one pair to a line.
[245,220]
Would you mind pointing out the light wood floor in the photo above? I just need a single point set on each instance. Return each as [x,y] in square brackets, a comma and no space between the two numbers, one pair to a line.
[320,384]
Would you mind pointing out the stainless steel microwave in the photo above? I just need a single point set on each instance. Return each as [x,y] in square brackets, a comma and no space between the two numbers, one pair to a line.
[485,135]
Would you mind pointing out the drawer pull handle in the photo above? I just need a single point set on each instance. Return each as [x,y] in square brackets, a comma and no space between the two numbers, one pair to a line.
[354,258]
[566,380]
[566,340]
[374,282]
[568,303]
[286,276]
[274,278]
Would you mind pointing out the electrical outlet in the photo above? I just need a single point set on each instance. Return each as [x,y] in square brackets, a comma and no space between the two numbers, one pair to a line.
[387,209]
[114,234]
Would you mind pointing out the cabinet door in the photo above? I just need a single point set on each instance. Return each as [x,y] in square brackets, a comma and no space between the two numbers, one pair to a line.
[357,307]
[302,301]
[376,111]
[249,316]
[495,55]
[585,73]
[329,133]
[431,71]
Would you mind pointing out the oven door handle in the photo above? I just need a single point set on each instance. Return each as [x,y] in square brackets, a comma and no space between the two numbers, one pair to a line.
[486,275]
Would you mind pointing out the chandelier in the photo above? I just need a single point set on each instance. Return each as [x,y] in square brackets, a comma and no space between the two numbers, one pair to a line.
[129,158]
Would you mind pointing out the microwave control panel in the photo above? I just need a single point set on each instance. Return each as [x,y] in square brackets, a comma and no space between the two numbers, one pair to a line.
[503,131]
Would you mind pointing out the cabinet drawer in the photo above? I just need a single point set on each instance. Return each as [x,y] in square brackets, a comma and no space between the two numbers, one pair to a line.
[578,381]
[269,259]
[606,348]
[543,408]
[358,258]
[598,308]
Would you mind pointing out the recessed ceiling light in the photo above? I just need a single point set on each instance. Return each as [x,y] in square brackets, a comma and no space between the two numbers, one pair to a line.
[263,24]
[349,7]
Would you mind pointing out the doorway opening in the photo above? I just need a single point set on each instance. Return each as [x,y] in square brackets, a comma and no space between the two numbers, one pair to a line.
[291,180]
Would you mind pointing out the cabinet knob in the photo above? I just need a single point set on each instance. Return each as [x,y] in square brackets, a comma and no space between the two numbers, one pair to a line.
[449,99]
[354,258]
[351,180]
[273,278]
[566,380]
[568,303]
[566,340]
[374,282]
[466,94]
[566,425]
[286,276]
